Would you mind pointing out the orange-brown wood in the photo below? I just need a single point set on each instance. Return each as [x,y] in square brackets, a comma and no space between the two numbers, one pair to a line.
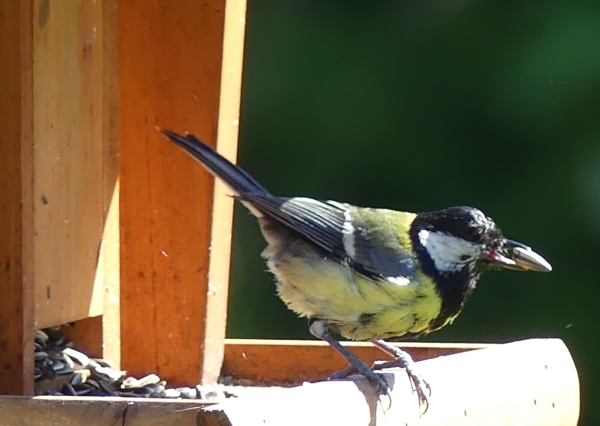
[16,203]
[71,175]
[58,173]
[109,275]
[222,209]
[86,335]
[110,255]
[296,361]
[173,293]
[75,156]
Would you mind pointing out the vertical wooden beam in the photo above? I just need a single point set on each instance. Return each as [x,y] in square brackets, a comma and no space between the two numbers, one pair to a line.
[222,209]
[58,173]
[75,155]
[179,68]
[70,174]
[110,254]
[16,202]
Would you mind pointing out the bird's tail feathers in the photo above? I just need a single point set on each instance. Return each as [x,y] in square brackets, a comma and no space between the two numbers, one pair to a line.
[234,176]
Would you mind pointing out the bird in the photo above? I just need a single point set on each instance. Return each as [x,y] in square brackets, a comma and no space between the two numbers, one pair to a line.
[369,274]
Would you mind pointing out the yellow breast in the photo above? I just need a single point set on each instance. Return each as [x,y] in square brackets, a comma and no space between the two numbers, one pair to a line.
[353,305]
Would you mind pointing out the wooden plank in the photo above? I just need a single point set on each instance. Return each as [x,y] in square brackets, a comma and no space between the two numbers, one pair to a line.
[525,383]
[171,57]
[296,361]
[110,254]
[531,382]
[86,335]
[109,273]
[16,202]
[71,169]
[222,209]
[76,411]
[99,336]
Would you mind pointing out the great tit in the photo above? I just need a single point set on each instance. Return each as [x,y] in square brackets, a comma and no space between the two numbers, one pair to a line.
[367,273]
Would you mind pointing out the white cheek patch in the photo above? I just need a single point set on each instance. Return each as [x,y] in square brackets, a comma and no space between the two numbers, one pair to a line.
[449,253]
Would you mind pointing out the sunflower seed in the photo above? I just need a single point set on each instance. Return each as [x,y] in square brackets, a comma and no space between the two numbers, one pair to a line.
[172,393]
[78,357]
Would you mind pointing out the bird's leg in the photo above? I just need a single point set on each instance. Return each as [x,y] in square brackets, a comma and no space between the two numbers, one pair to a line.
[404,360]
[318,328]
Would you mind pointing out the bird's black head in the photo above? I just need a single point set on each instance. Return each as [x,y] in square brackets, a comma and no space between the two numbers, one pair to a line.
[454,246]
[464,238]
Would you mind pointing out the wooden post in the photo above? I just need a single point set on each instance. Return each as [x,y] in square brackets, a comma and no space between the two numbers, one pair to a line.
[179,68]
[16,199]
[75,161]
[58,177]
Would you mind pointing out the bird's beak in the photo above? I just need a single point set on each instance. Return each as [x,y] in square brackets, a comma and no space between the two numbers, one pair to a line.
[519,257]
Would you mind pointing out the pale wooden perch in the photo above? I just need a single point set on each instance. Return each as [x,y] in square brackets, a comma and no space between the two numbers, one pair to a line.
[532,382]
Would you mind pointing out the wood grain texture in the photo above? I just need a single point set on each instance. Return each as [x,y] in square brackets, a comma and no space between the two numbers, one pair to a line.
[100,335]
[16,205]
[74,175]
[110,254]
[58,173]
[76,411]
[171,75]
[222,208]
[87,335]
[110,261]
[297,361]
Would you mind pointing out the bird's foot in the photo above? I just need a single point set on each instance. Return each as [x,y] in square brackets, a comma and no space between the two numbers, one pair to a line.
[342,374]
[377,380]
[421,386]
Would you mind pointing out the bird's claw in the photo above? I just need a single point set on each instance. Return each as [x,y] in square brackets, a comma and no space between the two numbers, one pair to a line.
[421,387]
[379,383]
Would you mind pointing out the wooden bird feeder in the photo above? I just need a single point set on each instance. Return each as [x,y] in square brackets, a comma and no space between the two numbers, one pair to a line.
[105,225]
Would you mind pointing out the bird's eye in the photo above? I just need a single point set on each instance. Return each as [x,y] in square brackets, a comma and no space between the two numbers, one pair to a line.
[474,233]
[465,257]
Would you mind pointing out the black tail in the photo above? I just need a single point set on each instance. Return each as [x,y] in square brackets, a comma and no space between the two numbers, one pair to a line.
[234,176]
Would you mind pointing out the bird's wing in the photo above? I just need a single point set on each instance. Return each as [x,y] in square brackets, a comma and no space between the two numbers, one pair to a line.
[319,222]
[376,253]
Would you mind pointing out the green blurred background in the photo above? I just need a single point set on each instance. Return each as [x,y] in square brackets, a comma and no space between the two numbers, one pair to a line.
[422,105]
